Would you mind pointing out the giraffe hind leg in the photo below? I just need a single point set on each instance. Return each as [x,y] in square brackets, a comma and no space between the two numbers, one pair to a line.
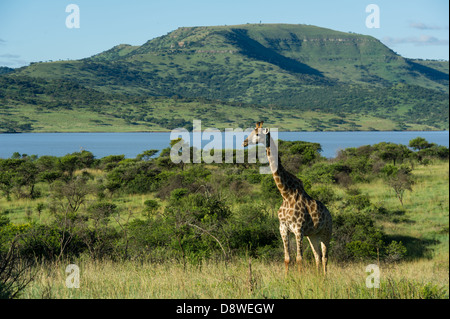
[315,243]
[324,255]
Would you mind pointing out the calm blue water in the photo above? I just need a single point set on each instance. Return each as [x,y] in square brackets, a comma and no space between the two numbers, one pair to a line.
[131,144]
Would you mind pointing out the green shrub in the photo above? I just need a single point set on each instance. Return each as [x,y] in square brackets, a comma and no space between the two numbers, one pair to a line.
[323,194]
[355,236]
[321,172]
[49,242]
[395,251]
[252,230]
[133,177]
[151,206]
[254,178]
[358,201]
[431,291]
[360,250]
[435,151]
[268,187]
[178,194]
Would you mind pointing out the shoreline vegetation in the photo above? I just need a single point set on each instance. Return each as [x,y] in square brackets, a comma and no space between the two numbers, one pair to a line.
[168,131]
[145,227]
[162,115]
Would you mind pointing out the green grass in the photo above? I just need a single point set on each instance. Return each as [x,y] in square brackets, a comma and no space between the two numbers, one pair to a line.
[217,115]
[170,280]
[72,121]
[423,220]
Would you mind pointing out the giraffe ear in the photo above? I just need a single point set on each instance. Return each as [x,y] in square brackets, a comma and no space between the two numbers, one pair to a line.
[266,131]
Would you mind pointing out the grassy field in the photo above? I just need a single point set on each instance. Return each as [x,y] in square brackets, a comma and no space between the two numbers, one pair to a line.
[424,216]
[421,224]
[266,279]
[216,115]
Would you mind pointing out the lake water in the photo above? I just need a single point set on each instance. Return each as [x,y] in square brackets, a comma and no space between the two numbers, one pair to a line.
[131,144]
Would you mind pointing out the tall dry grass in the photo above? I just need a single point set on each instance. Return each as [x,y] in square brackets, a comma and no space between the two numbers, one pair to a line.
[239,279]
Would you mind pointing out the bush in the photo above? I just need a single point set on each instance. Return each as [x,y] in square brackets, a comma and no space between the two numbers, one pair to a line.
[147,236]
[355,237]
[252,230]
[323,194]
[108,163]
[360,250]
[15,271]
[133,177]
[321,172]
[439,152]
[395,251]
[178,194]
[239,188]
[191,226]
[358,201]
[49,242]
[268,187]
[254,178]
[307,152]
[151,206]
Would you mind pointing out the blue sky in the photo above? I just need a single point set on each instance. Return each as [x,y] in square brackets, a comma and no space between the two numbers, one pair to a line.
[35,30]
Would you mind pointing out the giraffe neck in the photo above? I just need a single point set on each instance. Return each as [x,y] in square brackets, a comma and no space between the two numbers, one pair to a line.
[280,175]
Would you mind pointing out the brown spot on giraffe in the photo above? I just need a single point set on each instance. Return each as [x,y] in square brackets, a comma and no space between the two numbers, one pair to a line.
[299,213]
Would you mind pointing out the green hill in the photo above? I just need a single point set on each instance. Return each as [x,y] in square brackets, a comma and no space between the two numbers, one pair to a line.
[294,69]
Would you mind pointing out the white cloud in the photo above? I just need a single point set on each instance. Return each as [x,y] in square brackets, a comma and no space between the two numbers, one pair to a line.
[12,60]
[422,40]
[423,26]
[9,56]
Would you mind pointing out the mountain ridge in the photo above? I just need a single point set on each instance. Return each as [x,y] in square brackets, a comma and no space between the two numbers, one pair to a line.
[281,66]
[311,50]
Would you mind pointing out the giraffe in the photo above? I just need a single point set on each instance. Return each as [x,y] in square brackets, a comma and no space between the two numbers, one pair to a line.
[299,213]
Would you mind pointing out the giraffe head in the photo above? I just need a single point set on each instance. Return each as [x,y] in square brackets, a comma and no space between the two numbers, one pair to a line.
[258,135]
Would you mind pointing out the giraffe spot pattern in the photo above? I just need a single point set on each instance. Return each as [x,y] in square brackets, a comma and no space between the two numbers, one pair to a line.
[299,213]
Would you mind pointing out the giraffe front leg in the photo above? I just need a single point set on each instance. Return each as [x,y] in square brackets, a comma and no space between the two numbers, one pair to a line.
[285,238]
[299,240]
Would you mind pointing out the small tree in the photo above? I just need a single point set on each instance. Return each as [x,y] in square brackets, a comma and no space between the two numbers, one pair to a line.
[146,155]
[419,143]
[98,237]
[6,184]
[64,203]
[68,164]
[151,206]
[396,153]
[399,179]
[40,207]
